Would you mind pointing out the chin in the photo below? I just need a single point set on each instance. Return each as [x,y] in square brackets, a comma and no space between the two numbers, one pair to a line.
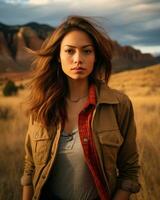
[79,78]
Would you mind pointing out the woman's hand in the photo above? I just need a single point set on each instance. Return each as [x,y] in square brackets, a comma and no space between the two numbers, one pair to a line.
[27,193]
[121,195]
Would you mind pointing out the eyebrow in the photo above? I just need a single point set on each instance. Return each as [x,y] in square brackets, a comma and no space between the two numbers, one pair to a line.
[81,47]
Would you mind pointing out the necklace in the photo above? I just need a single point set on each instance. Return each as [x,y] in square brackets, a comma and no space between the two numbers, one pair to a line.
[78,99]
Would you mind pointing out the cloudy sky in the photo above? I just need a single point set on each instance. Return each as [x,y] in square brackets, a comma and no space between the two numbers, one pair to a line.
[130,22]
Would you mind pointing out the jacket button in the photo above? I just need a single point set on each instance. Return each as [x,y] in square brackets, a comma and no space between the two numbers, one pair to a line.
[85,140]
[43,176]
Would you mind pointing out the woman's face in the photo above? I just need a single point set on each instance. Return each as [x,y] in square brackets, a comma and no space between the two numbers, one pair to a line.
[77,55]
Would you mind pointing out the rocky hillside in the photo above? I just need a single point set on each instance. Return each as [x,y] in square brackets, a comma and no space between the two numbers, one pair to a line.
[126,58]
[14,58]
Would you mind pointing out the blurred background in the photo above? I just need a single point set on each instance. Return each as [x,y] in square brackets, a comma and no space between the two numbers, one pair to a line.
[134,27]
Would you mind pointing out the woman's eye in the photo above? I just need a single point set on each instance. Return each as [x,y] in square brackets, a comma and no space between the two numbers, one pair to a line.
[69,51]
[88,51]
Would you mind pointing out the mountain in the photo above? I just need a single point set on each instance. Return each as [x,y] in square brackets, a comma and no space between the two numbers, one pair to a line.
[14,58]
[126,58]
[14,39]
[158,59]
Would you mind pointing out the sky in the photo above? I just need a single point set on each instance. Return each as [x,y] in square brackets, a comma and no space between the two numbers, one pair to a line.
[130,22]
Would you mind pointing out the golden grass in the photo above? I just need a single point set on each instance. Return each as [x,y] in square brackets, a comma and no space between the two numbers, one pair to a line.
[146,104]
[12,133]
[141,82]
[148,130]
[143,88]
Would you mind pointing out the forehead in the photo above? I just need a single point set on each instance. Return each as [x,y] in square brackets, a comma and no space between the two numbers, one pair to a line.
[76,38]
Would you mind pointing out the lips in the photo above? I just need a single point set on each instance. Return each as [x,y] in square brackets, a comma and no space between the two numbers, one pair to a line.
[78,68]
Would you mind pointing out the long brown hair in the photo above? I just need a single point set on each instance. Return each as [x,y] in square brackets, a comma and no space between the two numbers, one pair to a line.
[49,84]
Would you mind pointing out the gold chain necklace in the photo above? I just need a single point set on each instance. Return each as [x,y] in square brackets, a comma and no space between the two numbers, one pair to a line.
[78,99]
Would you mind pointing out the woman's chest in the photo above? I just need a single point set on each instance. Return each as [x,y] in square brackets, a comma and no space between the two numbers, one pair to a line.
[73,111]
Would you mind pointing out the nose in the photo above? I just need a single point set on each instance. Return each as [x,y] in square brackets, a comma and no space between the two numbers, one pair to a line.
[78,58]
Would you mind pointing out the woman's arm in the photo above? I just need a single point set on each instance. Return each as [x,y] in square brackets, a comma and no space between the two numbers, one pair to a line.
[127,160]
[27,193]
[26,179]
[121,195]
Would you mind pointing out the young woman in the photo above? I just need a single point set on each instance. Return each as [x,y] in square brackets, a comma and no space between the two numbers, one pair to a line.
[80,142]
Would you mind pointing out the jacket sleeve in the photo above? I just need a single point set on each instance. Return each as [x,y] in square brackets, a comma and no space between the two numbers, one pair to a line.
[26,179]
[127,162]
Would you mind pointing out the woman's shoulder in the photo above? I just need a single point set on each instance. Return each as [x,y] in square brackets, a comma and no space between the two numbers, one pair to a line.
[120,95]
[112,95]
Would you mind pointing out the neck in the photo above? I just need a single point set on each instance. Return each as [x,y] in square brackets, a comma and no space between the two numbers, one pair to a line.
[77,88]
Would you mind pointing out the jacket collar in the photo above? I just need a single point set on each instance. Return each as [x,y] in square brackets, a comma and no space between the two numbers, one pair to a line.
[105,94]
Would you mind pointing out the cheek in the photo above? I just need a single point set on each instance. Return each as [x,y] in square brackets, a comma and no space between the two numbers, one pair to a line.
[65,64]
[92,58]
[91,62]
[65,59]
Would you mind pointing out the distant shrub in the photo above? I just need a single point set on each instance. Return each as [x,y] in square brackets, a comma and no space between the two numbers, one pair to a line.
[6,113]
[10,89]
[21,87]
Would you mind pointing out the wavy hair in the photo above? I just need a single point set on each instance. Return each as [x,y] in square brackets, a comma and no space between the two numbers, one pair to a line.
[49,86]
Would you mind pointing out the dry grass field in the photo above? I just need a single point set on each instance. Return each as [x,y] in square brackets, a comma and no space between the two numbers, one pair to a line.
[142,86]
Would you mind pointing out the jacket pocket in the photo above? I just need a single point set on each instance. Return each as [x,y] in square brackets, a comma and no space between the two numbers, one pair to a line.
[41,143]
[110,141]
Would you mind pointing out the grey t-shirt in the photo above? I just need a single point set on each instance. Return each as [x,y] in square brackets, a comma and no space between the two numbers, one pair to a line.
[71,178]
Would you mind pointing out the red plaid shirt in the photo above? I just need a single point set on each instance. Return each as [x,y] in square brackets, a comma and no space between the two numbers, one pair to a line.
[90,153]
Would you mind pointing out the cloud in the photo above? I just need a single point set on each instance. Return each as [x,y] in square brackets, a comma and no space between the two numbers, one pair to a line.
[38,2]
[155,50]
[130,22]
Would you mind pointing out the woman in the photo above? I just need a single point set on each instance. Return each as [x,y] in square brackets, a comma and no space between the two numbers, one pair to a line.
[80,142]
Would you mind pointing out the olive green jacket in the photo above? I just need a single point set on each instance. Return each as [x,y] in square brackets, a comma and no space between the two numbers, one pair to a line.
[114,134]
